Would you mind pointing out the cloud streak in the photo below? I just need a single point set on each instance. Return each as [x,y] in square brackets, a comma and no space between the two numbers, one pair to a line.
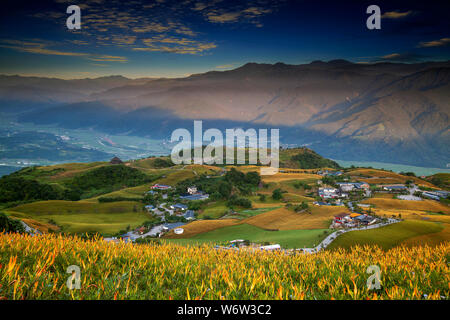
[396,14]
[435,43]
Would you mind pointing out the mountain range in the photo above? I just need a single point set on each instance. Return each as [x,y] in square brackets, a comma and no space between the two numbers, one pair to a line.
[387,112]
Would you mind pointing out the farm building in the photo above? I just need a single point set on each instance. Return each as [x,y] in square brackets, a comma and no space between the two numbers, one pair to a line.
[350,186]
[394,188]
[192,190]
[115,160]
[189,215]
[365,219]
[341,218]
[179,206]
[431,195]
[161,187]
[170,226]
[197,196]
[328,193]
[330,173]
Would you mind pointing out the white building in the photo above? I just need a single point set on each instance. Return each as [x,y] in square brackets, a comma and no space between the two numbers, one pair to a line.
[192,190]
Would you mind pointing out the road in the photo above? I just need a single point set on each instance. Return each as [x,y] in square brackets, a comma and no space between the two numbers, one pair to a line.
[328,240]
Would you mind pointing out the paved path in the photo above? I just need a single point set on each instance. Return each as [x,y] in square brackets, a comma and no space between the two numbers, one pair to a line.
[29,229]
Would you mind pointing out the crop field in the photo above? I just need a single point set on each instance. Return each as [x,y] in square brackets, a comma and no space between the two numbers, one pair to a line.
[383,195]
[35,268]
[253,212]
[84,216]
[431,239]
[176,176]
[392,204]
[200,226]
[308,177]
[284,219]
[388,236]
[286,238]
[132,192]
[214,210]
[387,177]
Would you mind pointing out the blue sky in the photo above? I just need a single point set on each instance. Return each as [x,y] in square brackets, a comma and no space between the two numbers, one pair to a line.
[163,38]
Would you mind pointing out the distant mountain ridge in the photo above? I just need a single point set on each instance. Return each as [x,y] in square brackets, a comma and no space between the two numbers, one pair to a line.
[388,112]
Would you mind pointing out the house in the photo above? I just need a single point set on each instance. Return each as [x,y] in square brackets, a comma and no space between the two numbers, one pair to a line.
[197,196]
[350,186]
[342,218]
[170,226]
[179,207]
[192,190]
[346,187]
[151,192]
[442,193]
[365,219]
[161,187]
[115,160]
[361,185]
[436,195]
[178,230]
[394,188]
[140,230]
[328,193]
[431,195]
[150,207]
[189,215]
[329,173]
[321,203]
[335,174]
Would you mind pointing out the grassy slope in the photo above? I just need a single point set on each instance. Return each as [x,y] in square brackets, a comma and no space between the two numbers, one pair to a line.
[376,176]
[393,204]
[286,238]
[84,216]
[387,237]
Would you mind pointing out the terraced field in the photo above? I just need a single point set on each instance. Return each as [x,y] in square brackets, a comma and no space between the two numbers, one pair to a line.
[83,216]
[385,177]
[393,204]
[286,238]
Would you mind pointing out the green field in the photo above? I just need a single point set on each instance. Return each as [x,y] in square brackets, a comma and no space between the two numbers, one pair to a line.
[253,212]
[285,238]
[386,237]
[81,216]
[214,210]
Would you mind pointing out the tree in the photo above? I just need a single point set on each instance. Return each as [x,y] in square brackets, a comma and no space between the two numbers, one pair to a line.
[253,178]
[10,225]
[224,188]
[262,198]
[235,177]
[277,194]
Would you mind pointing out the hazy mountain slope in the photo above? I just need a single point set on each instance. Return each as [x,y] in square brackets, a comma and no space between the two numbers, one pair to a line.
[394,112]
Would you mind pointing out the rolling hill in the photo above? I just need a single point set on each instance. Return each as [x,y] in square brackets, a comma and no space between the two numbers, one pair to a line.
[387,112]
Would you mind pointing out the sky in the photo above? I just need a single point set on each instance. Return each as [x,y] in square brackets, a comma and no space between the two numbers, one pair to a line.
[164,38]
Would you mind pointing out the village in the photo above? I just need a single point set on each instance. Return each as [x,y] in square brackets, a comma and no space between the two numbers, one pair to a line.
[173,209]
